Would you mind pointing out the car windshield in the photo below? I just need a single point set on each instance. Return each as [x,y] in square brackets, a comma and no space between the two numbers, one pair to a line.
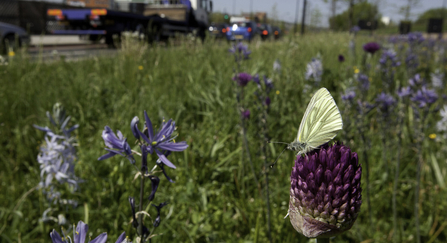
[242,24]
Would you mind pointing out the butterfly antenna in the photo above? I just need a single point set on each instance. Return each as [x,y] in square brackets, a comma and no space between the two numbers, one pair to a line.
[277,142]
[274,163]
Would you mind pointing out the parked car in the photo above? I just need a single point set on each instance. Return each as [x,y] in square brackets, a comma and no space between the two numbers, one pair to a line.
[12,37]
[265,31]
[218,30]
[276,32]
[245,30]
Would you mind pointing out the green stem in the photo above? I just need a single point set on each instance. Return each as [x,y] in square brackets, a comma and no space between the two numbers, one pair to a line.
[396,176]
[264,151]
[323,240]
[140,208]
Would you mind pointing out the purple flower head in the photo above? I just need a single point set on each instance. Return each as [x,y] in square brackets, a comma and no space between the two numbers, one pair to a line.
[242,79]
[246,114]
[267,101]
[314,69]
[160,142]
[404,92]
[268,84]
[341,58]
[355,29]
[385,101]
[325,192]
[363,80]
[424,97]
[80,233]
[349,96]
[116,145]
[371,47]
[415,37]
[389,56]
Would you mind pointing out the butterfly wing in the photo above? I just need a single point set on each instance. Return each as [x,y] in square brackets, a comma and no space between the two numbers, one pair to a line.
[321,121]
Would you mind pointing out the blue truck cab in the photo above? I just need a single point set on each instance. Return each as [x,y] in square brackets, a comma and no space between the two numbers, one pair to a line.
[242,30]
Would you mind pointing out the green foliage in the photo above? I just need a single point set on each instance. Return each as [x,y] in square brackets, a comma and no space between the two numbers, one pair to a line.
[361,11]
[214,198]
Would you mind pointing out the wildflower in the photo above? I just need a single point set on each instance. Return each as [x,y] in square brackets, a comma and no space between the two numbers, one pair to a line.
[349,96]
[355,29]
[385,101]
[159,207]
[246,114]
[442,124]
[424,97]
[242,79]
[11,53]
[277,92]
[160,142]
[240,48]
[80,233]
[314,70]
[268,84]
[257,80]
[389,56]
[437,79]
[341,58]
[412,60]
[371,47]
[117,145]
[416,80]
[404,91]
[277,66]
[415,37]
[325,193]
[357,71]
[432,136]
[155,181]
[140,67]
[267,101]
[363,80]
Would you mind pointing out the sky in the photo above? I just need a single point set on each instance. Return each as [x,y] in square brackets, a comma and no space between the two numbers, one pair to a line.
[286,8]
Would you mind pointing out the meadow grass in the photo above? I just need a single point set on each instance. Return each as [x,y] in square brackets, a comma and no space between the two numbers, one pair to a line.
[214,197]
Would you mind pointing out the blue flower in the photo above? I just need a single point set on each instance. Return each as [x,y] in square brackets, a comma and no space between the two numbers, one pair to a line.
[424,97]
[363,81]
[117,145]
[81,232]
[389,56]
[349,96]
[160,142]
[268,84]
[240,48]
[385,101]
[404,91]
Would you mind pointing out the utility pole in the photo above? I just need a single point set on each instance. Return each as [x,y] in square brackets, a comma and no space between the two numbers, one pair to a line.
[296,16]
[303,21]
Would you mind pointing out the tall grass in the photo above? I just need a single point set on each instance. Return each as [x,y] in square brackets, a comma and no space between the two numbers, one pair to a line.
[214,197]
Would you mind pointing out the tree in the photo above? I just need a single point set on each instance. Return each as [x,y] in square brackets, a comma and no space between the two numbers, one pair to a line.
[359,11]
[406,9]
[431,13]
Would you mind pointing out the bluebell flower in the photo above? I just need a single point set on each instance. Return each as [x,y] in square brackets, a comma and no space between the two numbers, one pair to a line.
[162,141]
[416,81]
[80,233]
[240,48]
[415,37]
[404,92]
[424,97]
[412,60]
[349,96]
[385,101]
[314,69]
[268,84]
[158,219]
[116,145]
[257,80]
[389,56]
[363,80]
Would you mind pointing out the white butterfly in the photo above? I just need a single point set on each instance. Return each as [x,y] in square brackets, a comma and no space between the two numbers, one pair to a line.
[320,124]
